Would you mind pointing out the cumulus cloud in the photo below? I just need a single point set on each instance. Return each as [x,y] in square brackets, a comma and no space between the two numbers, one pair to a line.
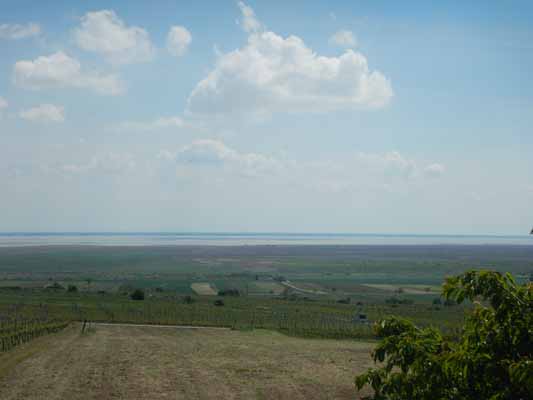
[276,74]
[62,71]
[373,171]
[217,156]
[44,113]
[434,170]
[3,105]
[178,40]
[159,123]
[209,152]
[249,21]
[17,31]
[343,38]
[103,32]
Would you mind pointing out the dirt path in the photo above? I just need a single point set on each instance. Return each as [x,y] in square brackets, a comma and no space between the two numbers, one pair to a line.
[309,291]
[137,362]
[95,324]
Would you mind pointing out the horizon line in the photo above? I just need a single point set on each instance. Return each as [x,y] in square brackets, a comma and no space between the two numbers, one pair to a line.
[256,233]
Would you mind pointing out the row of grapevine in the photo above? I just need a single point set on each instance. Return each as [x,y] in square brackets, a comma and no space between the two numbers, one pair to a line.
[296,322]
[20,324]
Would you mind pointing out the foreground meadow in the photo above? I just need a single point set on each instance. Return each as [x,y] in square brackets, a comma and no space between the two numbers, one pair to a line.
[136,362]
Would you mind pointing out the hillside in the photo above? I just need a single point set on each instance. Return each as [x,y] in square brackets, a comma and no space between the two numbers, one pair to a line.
[136,362]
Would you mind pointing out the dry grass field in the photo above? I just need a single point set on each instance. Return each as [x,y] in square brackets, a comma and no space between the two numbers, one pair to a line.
[143,362]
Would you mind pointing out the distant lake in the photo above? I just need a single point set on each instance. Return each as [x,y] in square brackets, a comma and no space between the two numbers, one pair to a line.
[239,239]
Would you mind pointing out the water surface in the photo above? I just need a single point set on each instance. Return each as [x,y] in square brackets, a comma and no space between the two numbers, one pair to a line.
[239,239]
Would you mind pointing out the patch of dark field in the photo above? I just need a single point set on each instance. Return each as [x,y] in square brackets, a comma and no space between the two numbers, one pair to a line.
[134,362]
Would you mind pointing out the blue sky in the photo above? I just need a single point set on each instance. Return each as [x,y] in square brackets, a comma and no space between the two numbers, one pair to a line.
[338,116]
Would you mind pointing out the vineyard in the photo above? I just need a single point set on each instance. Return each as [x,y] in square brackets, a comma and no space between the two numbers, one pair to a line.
[315,292]
[288,320]
[19,325]
[316,320]
[311,319]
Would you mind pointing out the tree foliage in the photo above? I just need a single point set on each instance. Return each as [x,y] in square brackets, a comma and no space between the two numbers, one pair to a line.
[72,289]
[492,359]
[137,294]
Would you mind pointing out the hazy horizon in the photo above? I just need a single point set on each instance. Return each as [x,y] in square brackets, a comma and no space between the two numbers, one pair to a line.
[277,117]
[25,239]
[259,233]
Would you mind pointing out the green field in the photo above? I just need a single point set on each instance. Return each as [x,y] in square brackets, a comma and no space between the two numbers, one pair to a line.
[313,291]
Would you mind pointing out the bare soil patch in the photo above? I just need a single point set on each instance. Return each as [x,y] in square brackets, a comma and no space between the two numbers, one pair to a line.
[410,289]
[203,289]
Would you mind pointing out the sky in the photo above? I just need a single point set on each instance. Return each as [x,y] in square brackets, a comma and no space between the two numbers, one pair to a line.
[266,116]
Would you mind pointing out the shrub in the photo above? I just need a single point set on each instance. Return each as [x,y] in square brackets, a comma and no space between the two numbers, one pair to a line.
[55,286]
[397,300]
[188,300]
[229,292]
[347,300]
[449,302]
[137,294]
[72,289]
[493,358]
[219,303]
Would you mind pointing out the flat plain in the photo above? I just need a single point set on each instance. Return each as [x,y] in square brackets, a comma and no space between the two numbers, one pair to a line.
[300,316]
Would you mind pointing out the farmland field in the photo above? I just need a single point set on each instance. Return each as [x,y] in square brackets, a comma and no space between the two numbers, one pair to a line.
[203,289]
[129,362]
[411,289]
[312,291]
[291,321]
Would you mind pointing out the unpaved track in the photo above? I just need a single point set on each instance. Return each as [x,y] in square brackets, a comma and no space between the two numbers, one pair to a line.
[94,324]
[137,362]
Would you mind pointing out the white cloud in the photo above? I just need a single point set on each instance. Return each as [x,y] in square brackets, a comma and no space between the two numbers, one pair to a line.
[16,31]
[44,113]
[3,103]
[475,196]
[106,163]
[103,32]
[434,170]
[178,40]
[159,123]
[61,71]
[344,38]
[391,164]
[249,22]
[275,74]
[215,153]
[363,171]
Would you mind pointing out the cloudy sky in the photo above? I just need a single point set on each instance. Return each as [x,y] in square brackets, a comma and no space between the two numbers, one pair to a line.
[276,116]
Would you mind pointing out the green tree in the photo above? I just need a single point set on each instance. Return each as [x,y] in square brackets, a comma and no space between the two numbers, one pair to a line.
[137,294]
[492,359]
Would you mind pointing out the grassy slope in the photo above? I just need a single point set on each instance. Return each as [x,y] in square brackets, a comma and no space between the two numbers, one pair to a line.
[154,363]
